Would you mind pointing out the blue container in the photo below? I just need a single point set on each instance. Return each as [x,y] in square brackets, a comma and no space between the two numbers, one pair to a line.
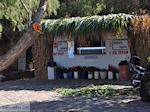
[59,75]
[70,75]
[83,75]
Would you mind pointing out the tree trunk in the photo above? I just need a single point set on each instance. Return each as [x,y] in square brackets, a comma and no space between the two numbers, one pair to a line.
[26,40]
[140,46]
[42,54]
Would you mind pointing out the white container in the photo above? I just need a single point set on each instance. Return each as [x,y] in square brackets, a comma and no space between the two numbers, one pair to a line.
[110,75]
[51,73]
[96,75]
[117,76]
[103,74]
[1,77]
[65,75]
[90,75]
[76,75]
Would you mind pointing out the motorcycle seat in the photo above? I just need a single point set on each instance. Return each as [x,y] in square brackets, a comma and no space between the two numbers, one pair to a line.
[141,69]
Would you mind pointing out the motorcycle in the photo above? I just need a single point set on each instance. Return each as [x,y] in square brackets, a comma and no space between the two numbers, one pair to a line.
[140,78]
[137,71]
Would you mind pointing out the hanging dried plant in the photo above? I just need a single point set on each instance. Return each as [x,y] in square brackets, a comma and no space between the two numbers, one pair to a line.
[141,24]
[141,34]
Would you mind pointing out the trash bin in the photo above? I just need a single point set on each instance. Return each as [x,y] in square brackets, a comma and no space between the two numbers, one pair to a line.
[124,70]
[51,70]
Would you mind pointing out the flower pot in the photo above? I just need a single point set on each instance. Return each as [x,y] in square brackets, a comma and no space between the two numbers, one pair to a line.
[117,76]
[110,75]
[103,74]
[70,75]
[59,75]
[83,75]
[90,75]
[51,73]
[96,75]
[76,76]
[65,75]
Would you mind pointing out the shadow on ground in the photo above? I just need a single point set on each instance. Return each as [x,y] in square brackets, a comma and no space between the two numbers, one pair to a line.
[43,101]
[100,104]
[84,104]
[46,85]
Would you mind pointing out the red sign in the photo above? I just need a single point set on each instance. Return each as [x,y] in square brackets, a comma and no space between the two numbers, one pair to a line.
[55,53]
[114,52]
[59,53]
[120,52]
[55,45]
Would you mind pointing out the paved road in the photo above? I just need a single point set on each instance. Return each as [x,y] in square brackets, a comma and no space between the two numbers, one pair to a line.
[83,104]
[38,93]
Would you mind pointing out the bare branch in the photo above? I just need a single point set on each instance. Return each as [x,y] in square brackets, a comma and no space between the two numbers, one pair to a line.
[30,6]
[24,6]
[28,12]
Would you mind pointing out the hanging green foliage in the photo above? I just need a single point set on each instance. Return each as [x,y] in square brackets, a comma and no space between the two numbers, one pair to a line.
[86,25]
[14,11]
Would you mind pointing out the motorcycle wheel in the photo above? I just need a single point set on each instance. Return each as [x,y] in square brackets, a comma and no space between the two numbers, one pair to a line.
[135,85]
[133,77]
[145,97]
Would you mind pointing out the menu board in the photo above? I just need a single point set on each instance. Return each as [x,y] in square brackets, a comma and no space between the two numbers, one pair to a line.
[62,46]
[120,44]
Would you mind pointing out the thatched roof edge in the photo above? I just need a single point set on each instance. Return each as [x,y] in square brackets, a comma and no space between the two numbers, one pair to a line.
[86,25]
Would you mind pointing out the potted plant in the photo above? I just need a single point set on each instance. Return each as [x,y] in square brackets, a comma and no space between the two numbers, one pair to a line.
[110,72]
[117,74]
[110,75]
[83,72]
[90,72]
[70,73]
[96,73]
[59,72]
[103,74]
[65,71]
[76,71]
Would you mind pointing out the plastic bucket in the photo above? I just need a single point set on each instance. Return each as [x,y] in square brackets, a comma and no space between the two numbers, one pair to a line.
[76,76]
[70,75]
[90,75]
[110,75]
[117,76]
[65,75]
[83,75]
[96,75]
[59,75]
[103,74]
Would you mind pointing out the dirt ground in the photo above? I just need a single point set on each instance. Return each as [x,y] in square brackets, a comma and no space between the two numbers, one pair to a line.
[42,99]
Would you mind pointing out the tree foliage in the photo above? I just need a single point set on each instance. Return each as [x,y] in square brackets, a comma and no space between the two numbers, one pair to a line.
[75,8]
[20,12]
[79,8]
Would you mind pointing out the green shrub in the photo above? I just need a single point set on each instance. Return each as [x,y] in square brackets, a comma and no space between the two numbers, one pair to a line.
[95,91]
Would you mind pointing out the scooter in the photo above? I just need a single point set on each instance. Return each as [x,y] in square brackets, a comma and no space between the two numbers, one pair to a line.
[137,72]
[145,87]
[140,78]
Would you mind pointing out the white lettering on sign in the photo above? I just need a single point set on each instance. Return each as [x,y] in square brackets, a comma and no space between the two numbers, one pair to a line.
[120,44]
[62,46]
